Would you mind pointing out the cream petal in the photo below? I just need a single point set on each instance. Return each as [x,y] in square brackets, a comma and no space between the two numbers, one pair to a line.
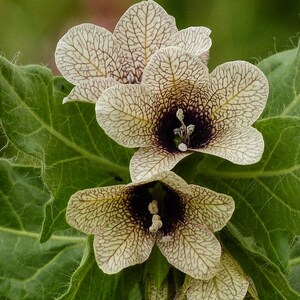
[194,40]
[90,209]
[84,52]
[208,207]
[119,241]
[193,249]
[126,115]
[238,94]
[174,182]
[169,178]
[144,28]
[176,76]
[121,244]
[243,146]
[148,161]
[230,283]
[90,91]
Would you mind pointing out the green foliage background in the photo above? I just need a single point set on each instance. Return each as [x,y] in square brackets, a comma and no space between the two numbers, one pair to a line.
[52,150]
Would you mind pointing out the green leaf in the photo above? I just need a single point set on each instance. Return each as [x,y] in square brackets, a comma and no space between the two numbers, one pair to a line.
[74,151]
[270,282]
[283,73]
[29,270]
[294,266]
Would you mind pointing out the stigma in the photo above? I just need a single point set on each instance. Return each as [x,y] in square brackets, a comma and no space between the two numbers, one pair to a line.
[183,132]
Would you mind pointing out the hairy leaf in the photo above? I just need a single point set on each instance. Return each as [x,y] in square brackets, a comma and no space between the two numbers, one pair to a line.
[75,152]
[29,270]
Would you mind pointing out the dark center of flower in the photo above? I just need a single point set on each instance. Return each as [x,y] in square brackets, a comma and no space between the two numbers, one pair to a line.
[179,130]
[156,207]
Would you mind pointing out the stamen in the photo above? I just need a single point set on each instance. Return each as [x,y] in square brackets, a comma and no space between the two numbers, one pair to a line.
[180,115]
[153,207]
[184,132]
[156,221]
[179,131]
[190,129]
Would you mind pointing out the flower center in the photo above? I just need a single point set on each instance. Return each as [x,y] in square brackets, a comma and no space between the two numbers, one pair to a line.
[162,214]
[183,132]
[182,128]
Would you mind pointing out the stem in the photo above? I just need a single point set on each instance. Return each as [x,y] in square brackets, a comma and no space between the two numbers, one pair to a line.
[181,295]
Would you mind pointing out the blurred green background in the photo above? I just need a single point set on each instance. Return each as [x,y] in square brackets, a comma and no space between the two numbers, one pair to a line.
[246,29]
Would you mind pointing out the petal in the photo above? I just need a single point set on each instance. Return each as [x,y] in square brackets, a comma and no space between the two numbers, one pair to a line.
[208,207]
[193,249]
[121,244]
[241,146]
[148,161]
[90,209]
[169,178]
[238,94]
[90,91]
[144,28]
[126,115]
[86,51]
[174,181]
[228,284]
[194,40]
[176,76]
[119,241]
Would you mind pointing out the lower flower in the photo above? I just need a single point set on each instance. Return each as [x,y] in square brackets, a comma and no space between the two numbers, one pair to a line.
[127,220]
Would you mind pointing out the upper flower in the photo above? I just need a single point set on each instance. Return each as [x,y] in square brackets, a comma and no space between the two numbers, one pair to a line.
[179,108]
[127,220]
[92,58]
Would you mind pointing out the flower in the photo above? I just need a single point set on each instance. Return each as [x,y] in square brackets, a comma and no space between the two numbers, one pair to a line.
[127,220]
[93,58]
[179,108]
[229,283]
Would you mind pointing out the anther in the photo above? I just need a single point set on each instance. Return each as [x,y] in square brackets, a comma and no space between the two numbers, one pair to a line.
[180,115]
[156,223]
[190,129]
[153,207]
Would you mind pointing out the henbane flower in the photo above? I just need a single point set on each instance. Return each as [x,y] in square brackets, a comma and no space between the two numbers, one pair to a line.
[179,108]
[93,58]
[127,220]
